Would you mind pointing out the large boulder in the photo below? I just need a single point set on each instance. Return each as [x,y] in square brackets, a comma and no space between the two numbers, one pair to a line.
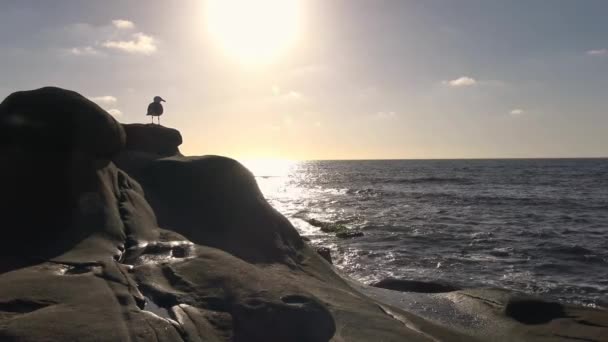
[145,144]
[53,142]
[59,119]
[215,201]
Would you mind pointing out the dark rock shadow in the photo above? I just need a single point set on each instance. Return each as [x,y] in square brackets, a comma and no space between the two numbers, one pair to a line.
[415,286]
[533,311]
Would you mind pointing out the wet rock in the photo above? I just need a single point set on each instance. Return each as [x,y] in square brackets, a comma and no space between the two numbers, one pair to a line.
[327,227]
[349,234]
[340,230]
[325,253]
[415,286]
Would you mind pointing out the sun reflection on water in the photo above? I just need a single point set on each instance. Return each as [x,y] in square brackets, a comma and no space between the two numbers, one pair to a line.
[267,168]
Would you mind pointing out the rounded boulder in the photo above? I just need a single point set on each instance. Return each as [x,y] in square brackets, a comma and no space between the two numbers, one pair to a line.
[59,119]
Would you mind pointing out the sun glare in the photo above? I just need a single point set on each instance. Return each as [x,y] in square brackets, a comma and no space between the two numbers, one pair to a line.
[254,32]
[269,167]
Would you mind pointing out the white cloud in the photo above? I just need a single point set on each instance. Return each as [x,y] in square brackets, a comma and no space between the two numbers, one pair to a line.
[123,24]
[598,52]
[104,100]
[140,44]
[464,81]
[116,36]
[115,112]
[517,112]
[84,51]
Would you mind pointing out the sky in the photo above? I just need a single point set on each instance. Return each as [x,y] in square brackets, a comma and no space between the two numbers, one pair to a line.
[330,79]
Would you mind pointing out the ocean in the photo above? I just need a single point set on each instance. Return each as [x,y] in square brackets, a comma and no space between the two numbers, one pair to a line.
[537,225]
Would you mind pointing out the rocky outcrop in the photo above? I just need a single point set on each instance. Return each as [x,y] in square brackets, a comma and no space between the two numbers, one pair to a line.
[115,236]
[152,139]
[500,315]
[339,229]
[325,253]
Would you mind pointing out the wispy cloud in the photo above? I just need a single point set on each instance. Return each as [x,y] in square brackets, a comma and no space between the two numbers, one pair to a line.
[84,51]
[115,36]
[115,112]
[598,52]
[463,81]
[123,24]
[139,44]
[104,100]
[517,112]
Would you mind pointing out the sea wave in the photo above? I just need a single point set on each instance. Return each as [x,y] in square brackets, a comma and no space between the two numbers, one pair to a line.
[534,226]
[425,180]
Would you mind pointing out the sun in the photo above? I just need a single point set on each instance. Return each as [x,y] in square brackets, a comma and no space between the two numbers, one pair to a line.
[254,31]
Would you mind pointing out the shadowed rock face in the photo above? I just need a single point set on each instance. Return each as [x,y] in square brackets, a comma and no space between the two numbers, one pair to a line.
[84,256]
[52,144]
[63,119]
[214,201]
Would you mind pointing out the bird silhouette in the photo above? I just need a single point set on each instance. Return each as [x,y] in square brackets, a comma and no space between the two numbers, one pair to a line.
[156,108]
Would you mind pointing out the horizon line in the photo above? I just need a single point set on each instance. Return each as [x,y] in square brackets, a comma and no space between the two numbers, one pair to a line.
[436,159]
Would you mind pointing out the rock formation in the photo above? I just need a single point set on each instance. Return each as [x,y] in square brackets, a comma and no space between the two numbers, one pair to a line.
[109,233]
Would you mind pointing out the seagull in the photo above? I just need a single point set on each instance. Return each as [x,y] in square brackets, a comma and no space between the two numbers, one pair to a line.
[156,108]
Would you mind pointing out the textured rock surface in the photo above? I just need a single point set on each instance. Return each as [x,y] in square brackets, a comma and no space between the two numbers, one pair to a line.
[84,256]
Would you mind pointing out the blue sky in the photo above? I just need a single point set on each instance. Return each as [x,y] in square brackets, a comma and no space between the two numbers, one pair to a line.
[362,79]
